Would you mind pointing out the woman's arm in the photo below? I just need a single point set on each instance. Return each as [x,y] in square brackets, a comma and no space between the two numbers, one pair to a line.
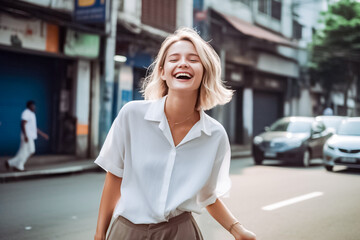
[222,215]
[110,196]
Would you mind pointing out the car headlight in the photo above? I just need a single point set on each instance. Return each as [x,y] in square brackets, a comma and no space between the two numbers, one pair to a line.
[294,143]
[258,140]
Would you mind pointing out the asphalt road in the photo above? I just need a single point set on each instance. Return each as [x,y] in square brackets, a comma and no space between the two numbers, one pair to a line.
[322,206]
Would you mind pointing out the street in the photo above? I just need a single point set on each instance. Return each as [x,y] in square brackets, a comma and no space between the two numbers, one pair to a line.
[66,207]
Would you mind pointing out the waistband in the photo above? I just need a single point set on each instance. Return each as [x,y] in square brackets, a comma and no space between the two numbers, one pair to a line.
[145,227]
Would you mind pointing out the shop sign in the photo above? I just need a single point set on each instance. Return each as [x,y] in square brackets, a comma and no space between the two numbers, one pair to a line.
[64,5]
[28,33]
[268,83]
[90,11]
[79,44]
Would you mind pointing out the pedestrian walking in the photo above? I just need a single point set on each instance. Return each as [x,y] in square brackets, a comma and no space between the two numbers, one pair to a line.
[28,136]
[165,157]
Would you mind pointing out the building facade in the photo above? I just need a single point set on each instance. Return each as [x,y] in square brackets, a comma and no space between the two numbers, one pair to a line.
[49,58]
[63,64]
[255,42]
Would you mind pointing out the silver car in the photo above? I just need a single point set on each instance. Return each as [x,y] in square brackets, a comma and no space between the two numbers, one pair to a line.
[343,148]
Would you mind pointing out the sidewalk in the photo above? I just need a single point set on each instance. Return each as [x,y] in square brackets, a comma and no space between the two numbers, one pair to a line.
[52,165]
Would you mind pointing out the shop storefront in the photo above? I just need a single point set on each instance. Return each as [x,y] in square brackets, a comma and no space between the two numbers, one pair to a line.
[257,72]
[43,60]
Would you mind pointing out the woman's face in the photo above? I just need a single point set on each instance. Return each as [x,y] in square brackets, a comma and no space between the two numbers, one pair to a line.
[182,70]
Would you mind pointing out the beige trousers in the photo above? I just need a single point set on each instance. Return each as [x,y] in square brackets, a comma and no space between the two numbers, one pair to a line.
[182,227]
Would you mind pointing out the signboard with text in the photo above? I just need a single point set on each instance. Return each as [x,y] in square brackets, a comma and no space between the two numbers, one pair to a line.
[81,44]
[90,11]
[28,33]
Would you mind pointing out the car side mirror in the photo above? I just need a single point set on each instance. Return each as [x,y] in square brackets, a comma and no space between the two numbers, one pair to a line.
[267,129]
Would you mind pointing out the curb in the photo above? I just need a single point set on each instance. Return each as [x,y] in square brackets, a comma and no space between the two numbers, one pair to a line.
[243,154]
[55,171]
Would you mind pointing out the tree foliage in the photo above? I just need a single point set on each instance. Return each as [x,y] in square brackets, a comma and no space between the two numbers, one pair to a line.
[336,47]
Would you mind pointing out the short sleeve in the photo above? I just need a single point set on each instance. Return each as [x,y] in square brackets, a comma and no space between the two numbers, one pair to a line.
[111,157]
[25,115]
[219,183]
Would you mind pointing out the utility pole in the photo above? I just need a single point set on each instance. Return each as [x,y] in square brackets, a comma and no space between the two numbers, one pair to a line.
[107,81]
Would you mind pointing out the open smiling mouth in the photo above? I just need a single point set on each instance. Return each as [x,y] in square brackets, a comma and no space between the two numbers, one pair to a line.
[183,76]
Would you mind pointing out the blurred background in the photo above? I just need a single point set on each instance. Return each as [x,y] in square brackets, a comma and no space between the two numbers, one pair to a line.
[82,60]
[80,65]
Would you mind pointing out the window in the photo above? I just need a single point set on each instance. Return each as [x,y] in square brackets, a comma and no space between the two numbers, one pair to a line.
[121,5]
[263,6]
[246,2]
[276,9]
[159,14]
[297,30]
[271,8]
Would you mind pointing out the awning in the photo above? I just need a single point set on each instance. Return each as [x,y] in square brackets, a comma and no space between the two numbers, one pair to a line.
[255,31]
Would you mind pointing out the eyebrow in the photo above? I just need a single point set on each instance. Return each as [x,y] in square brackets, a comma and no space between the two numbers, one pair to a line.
[190,54]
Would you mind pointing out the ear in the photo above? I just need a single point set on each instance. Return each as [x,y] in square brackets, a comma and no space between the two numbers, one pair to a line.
[162,74]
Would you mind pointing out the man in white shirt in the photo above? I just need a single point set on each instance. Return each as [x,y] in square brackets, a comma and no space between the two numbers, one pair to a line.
[29,133]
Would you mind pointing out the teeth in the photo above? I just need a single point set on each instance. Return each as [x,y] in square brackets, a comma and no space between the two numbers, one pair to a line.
[183,75]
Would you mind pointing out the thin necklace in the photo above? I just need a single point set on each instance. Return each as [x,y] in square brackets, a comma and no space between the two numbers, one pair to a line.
[176,123]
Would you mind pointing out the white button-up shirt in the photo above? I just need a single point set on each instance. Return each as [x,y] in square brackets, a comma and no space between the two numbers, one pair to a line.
[161,180]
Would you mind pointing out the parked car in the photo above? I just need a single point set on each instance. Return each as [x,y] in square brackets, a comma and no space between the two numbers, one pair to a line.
[332,123]
[344,147]
[291,139]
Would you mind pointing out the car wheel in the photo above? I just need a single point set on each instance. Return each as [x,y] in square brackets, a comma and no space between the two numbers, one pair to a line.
[258,159]
[329,168]
[306,158]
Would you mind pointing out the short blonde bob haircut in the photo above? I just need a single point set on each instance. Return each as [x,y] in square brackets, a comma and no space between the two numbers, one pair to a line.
[212,90]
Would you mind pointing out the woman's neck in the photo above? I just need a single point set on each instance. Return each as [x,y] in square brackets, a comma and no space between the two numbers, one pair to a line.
[179,106]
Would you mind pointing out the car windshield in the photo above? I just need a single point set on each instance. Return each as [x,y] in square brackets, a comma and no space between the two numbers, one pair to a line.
[350,128]
[291,126]
[332,122]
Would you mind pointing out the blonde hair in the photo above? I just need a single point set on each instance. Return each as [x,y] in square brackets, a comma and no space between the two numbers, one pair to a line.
[212,90]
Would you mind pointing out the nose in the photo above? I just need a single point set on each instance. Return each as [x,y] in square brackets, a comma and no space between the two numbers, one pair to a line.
[183,63]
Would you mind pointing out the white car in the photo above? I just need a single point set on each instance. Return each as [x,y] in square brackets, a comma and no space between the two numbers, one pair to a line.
[343,148]
[332,123]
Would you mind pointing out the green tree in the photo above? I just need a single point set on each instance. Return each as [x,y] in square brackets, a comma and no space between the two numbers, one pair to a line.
[335,48]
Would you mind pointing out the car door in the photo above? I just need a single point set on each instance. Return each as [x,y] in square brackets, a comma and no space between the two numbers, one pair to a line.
[318,138]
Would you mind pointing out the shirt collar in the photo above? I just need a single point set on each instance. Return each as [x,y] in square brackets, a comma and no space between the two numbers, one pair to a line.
[156,113]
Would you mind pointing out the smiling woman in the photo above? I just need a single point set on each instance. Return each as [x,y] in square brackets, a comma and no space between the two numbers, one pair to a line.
[166,158]
[182,68]
[212,91]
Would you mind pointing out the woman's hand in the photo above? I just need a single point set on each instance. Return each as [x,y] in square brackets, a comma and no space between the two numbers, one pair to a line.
[241,233]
